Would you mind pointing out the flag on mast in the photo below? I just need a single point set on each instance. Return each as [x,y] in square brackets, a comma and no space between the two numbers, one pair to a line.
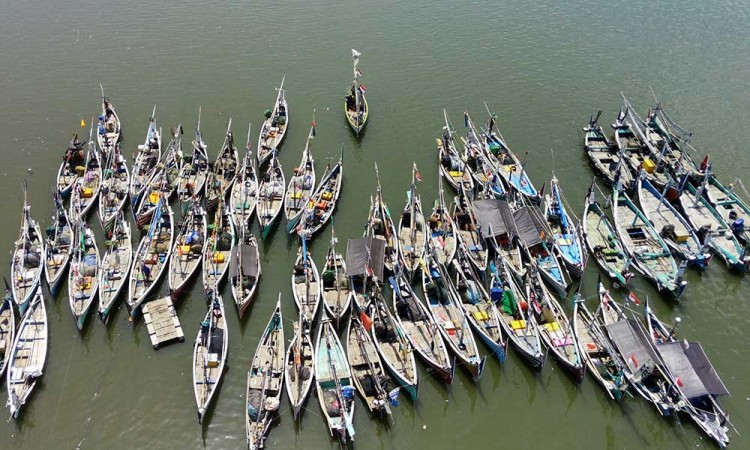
[355,56]
[417,175]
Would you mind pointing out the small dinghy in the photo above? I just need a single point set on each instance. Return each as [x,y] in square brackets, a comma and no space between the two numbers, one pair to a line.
[59,238]
[188,248]
[355,103]
[300,370]
[115,266]
[210,353]
[273,130]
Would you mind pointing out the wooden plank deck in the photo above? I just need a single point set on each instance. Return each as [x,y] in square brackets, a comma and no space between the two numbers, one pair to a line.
[162,322]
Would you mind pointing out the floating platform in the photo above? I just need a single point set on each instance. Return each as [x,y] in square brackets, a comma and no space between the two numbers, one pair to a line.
[162,322]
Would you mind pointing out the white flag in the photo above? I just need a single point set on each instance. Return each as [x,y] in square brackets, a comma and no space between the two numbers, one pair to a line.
[356,55]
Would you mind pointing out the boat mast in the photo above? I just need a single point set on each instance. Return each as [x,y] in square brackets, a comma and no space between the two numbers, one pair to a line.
[412,206]
[331,362]
[355,87]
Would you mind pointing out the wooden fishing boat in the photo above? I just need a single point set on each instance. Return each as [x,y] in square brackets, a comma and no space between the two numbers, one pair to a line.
[210,353]
[477,306]
[7,328]
[217,251]
[306,284]
[273,130]
[603,241]
[151,257]
[164,181]
[646,248]
[451,163]
[270,196]
[28,354]
[554,328]
[470,238]
[114,190]
[86,188]
[144,166]
[442,233]
[188,249]
[510,167]
[59,238]
[108,131]
[711,228]
[672,226]
[516,321]
[442,302]
[412,228]
[393,346]
[83,281]
[115,266]
[420,329]
[244,270]
[730,206]
[219,180]
[264,381]
[300,369]
[301,185]
[27,260]
[355,103]
[481,166]
[495,220]
[67,174]
[380,225]
[564,230]
[323,201]
[636,155]
[333,383]
[606,157]
[368,371]
[336,293]
[244,195]
[194,171]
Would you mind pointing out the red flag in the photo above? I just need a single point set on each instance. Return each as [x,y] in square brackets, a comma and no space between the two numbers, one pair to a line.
[635,361]
[362,86]
[417,175]
[704,164]
[366,321]
[359,72]
[633,298]
[679,382]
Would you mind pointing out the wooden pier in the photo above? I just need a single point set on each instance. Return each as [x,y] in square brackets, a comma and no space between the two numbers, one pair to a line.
[162,322]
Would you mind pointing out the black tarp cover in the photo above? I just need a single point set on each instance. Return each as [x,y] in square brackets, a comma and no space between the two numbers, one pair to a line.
[494,217]
[249,261]
[531,225]
[695,371]
[634,346]
[359,250]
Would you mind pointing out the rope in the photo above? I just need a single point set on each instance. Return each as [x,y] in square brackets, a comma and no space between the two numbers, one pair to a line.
[62,391]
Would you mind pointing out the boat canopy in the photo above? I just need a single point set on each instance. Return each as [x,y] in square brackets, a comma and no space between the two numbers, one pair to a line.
[249,261]
[688,361]
[633,344]
[365,252]
[495,217]
[531,226]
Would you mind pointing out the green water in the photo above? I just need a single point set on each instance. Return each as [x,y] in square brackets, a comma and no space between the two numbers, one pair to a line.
[543,66]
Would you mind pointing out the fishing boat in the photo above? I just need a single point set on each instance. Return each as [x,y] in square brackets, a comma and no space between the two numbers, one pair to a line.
[554,328]
[481,166]
[27,260]
[59,238]
[108,130]
[333,383]
[380,225]
[477,306]
[677,232]
[364,268]
[636,155]
[264,381]
[519,325]
[83,281]
[300,370]
[151,257]
[394,348]
[564,230]
[730,206]
[602,360]
[412,228]
[441,233]
[210,353]
[647,250]
[188,248]
[115,266]
[86,188]
[164,181]
[603,241]
[605,155]
[420,329]
[470,238]
[368,371]
[7,328]
[271,196]
[306,284]
[217,251]
[244,195]
[323,201]
[442,302]
[115,185]
[244,270]
[219,180]
[336,293]
[301,185]
[144,166]
[510,167]
[194,171]
[495,219]
[711,228]
[273,130]
[451,163]
[28,354]
[355,103]
[67,174]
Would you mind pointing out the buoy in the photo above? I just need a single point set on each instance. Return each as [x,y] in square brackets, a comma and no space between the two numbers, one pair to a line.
[83,123]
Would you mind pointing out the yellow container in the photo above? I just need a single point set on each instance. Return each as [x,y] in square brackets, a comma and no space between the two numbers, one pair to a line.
[649,165]
[153,198]
[87,193]
[455,174]
[327,196]
[518,324]
[552,326]
[218,258]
